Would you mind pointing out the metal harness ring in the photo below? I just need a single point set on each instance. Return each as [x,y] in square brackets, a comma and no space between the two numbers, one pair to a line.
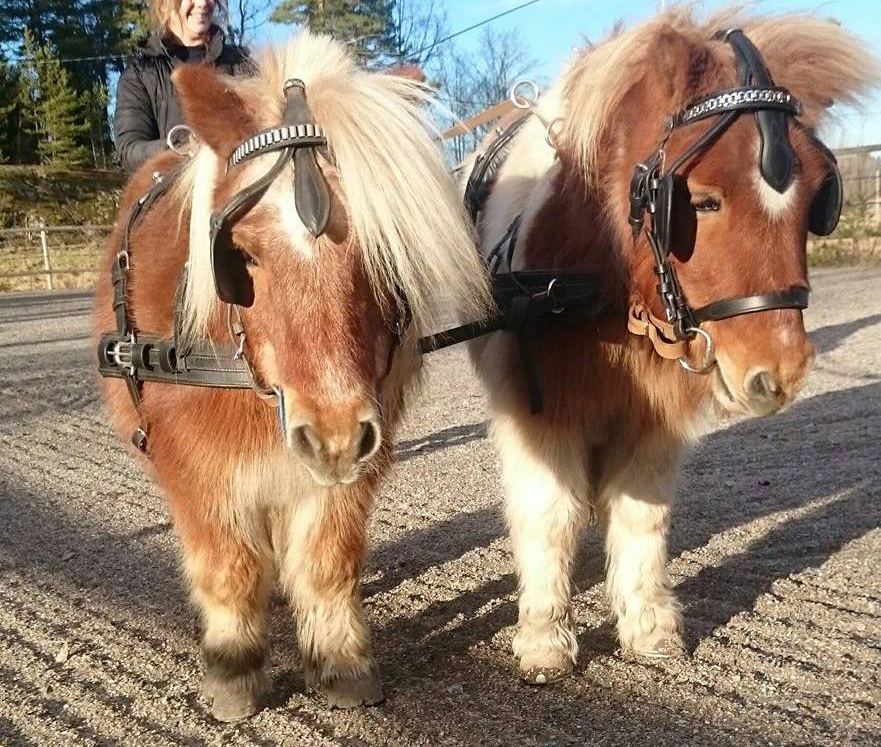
[709,353]
[181,140]
[524,101]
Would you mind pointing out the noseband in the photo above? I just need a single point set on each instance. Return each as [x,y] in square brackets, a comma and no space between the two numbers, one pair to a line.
[652,187]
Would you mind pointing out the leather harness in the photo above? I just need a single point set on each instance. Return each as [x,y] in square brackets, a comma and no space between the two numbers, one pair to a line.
[653,186]
[525,300]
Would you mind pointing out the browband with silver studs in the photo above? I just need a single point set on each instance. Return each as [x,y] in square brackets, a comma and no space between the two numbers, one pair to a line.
[738,99]
[276,138]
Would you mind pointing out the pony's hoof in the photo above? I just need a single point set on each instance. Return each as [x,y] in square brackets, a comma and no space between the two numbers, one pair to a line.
[351,692]
[665,648]
[229,707]
[543,675]
[237,697]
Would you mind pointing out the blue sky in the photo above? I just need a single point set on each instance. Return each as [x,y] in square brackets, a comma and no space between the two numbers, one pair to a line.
[551,28]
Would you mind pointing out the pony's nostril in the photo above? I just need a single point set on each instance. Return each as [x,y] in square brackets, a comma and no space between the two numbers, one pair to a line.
[306,441]
[762,385]
[369,440]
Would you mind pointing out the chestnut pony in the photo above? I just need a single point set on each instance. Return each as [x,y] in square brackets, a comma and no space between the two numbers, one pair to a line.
[250,503]
[617,417]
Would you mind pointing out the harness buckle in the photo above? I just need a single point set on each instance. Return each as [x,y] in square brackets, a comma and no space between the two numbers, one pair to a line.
[556,307]
[120,354]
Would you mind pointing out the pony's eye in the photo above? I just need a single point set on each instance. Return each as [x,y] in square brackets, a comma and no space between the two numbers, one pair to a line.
[706,205]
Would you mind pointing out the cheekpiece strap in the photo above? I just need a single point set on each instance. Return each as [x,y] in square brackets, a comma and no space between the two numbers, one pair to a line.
[307,135]
[740,99]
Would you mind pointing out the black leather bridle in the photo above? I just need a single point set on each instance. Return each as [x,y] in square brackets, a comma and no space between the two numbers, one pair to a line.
[653,183]
[137,356]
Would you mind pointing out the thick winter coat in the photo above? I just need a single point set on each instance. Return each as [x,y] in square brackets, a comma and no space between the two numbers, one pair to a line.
[146,104]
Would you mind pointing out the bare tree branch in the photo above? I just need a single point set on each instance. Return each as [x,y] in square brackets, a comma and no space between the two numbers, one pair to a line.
[245,17]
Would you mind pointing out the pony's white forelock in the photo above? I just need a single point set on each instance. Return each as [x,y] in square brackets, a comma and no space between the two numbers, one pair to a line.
[403,212]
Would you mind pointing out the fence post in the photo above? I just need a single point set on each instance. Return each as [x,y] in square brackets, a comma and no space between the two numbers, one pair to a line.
[47,265]
[877,199]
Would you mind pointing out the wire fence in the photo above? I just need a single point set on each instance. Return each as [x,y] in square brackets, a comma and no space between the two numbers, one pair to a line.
[41,257]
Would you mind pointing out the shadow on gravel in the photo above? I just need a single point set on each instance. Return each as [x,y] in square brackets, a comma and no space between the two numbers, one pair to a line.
[441,542]
[125,569]
[826,339]
[36,308]
[75,342]
[823,446]
[455,436]
[65,380]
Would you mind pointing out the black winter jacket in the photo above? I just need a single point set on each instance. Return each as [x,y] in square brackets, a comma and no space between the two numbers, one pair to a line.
[146,104]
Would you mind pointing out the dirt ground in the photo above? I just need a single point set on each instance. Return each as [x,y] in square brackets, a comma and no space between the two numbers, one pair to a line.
[774,552]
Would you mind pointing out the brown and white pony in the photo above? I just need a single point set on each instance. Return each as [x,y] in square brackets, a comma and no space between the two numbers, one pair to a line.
[249,504]
[617,417]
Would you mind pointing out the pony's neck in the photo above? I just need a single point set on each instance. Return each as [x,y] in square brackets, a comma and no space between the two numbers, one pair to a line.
[571,231]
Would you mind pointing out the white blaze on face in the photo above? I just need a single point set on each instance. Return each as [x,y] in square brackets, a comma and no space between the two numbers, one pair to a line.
[281,195]
[776,204]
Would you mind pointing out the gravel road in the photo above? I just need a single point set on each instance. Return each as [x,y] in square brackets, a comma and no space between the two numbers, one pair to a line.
[775,553]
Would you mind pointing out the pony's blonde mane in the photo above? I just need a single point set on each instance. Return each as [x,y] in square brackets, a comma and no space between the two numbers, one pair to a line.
[404,215]
[817,59]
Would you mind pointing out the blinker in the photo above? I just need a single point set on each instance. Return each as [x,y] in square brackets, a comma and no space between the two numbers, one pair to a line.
[296,139]
[825,210]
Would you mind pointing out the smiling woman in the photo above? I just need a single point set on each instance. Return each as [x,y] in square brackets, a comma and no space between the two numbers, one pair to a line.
[147,107]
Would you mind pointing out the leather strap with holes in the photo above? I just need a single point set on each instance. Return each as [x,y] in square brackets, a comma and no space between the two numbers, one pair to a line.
[640,321]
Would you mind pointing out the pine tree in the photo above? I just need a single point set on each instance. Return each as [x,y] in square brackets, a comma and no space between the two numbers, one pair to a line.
[8,106]
[96,109]
[367,26]
[89,36]
[53,106]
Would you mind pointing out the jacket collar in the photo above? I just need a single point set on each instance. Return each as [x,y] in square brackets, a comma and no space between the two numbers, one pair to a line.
[168,46]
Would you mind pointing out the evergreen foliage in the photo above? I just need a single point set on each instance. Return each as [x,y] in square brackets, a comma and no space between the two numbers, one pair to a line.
[368,26]
[54,108]
[73,30]
[8,109]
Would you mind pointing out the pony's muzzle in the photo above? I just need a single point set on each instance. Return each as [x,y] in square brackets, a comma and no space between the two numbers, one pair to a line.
[336,454]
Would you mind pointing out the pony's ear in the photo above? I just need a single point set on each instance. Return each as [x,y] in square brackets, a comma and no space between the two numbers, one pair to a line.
[677,64]
[211,107]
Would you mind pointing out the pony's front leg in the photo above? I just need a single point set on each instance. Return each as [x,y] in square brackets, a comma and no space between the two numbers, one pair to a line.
[321,568]
[230,578]
[635,502]
[545,490]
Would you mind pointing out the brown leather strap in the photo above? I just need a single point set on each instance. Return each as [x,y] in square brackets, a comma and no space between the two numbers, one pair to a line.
[640,321]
